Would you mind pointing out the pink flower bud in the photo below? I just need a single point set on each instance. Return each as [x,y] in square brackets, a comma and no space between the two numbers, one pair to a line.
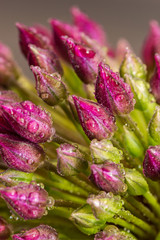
[45,59]
[112,92]
[6,97]
[151,163]
[109,177]
[44,31]
[29,121]
[8,69]
[63,29]
[155,80]
[70,161]
[49,86]
[19,154]
[42,232]
[96,121]
[5,230]
[31,35]
[151,44]
[29,201]
[83,59]
[88,26]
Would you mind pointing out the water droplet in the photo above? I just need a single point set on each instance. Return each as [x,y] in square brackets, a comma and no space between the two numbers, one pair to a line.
[21,120]
[28,105]
[33,126]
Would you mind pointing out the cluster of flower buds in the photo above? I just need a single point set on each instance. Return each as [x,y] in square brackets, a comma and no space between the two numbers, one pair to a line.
[87,146]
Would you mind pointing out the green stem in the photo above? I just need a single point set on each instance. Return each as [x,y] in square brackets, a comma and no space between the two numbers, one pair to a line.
[128,120]
[143,209]
[128,205]
[129,226]
[79,182]
[64,203]
[153,202]
[138,222]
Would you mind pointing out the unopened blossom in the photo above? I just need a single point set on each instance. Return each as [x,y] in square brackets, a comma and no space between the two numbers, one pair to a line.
[29,121]
[109,177]
[49,86]
[42,232]
[29,201]
[112,92]
[151,163]
[30,35]
[96,121]
[63,29]
[45,59]
[151,44]
[20,154]
[155,80]
[9,71]
[83,59]
[88,26]
[70,161]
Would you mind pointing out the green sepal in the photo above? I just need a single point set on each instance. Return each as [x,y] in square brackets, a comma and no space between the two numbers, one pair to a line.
[136,183]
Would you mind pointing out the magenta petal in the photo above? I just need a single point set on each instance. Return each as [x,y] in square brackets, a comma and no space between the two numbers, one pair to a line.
[96,121]
[29,201]
[112,92]
[42,232]
[88,26]
[19,154]
[151,163]
[29,121]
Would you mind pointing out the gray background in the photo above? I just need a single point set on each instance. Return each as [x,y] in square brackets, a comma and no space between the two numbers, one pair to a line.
[120,18]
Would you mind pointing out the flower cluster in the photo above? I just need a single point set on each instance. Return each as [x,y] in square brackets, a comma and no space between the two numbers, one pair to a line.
[81,153]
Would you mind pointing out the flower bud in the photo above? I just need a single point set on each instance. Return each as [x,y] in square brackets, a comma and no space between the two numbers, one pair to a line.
[29,201]
[6,97]
[12,177]
[50,88]
[96,121]
[42,232]
[84,220]
[105,205]
[45,59]
[136,183]
[29,121]
[88,26]
[109,177]
[112,92]
[8,68]
[141,92]
[5,230]
[83,59]
[132,65]
[104,150]
[151,163]
[70,160]
[155,80]
[111,232]
[20,154]
[63,29]
[151,44]
[154,129]
[44,31]
[30,35]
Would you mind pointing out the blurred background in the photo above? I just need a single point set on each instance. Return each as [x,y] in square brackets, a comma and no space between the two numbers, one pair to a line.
[120,18]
